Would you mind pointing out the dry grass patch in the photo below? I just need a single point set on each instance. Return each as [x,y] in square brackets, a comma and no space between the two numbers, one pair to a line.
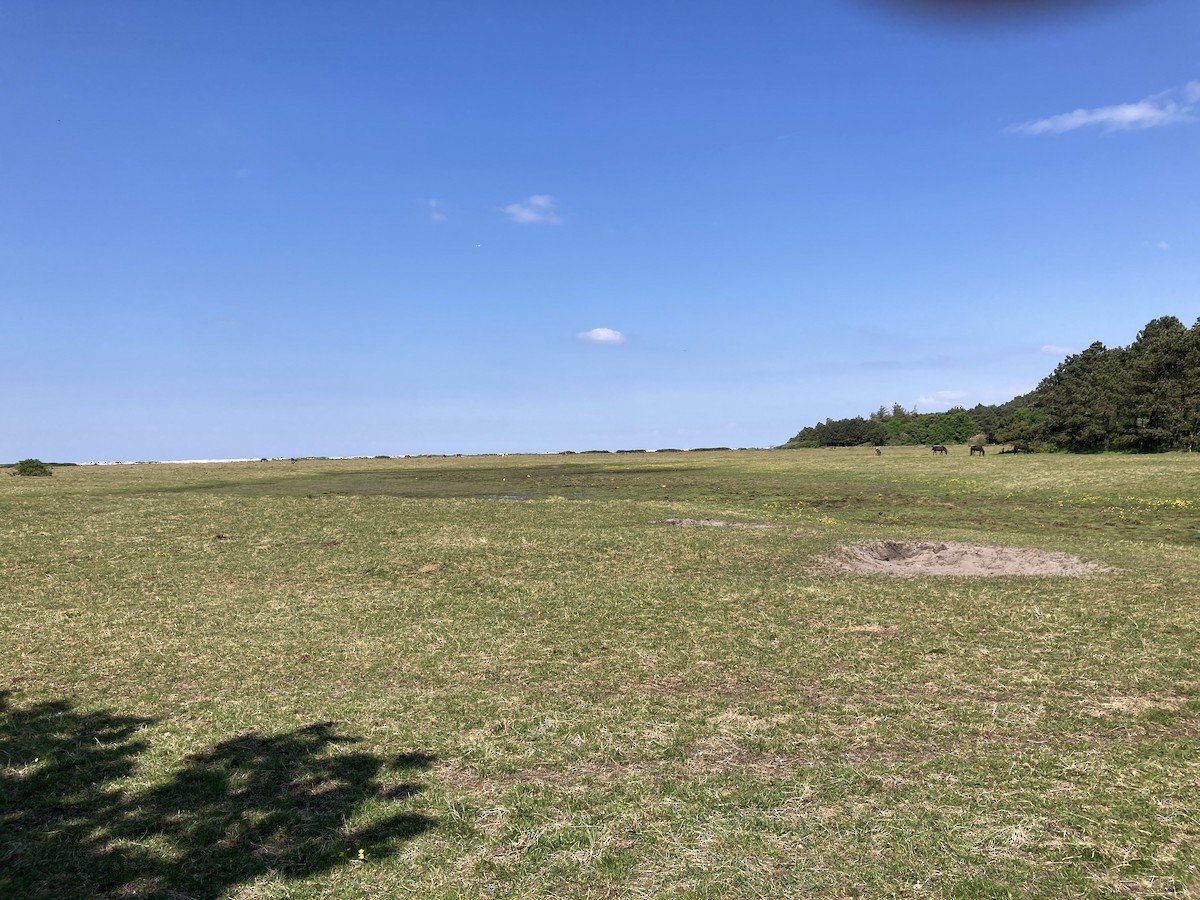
[715,523]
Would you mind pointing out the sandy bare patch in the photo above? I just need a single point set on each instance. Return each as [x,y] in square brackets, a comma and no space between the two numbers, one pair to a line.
[881,630]
[1100,708]
[914,558]
[712,523]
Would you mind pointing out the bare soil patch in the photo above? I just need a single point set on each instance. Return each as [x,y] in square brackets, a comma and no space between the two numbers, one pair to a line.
[915,558]
[713,523]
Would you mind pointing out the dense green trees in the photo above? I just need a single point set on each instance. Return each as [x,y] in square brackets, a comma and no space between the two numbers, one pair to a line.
[1164,370]
[896,427]
[953,427]
[1021,426]
[1142,397]
[840,433]
[1079,401]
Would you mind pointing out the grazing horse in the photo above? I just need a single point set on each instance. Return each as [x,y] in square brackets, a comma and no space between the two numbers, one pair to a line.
[938,448]
[977,448]
[879,451]
[1022,448]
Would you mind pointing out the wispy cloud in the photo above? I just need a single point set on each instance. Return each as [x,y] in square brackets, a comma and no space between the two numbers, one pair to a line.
[1165,108]
[940,398]
[1157,245]
[1058,350]
[536,210]
[601,336]
[437,210]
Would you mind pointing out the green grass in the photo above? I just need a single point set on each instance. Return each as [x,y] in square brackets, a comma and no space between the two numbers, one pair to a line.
[227,680]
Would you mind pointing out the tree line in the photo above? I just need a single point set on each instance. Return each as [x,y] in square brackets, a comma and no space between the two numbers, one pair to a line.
[1143,397]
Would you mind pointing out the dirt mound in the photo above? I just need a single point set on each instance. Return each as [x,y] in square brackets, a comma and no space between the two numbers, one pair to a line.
[914,558]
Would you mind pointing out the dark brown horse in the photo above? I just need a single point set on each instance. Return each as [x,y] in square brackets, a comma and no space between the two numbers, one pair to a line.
[977,448]
[938,448]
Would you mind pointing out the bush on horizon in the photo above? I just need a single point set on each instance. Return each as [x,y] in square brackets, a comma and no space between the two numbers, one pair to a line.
[33,467]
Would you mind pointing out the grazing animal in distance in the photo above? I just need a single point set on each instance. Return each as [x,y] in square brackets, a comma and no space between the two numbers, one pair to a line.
[879,451]
[1022,448]
[938,448]
[977,448]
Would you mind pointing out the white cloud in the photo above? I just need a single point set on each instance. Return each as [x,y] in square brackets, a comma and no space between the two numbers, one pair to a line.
[601,336]
[1166,108]
[1058,350]
[940,398]
[536,210]
[1157,245]
[437,210]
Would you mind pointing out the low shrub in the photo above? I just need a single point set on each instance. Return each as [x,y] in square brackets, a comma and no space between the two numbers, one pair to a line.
[31,467]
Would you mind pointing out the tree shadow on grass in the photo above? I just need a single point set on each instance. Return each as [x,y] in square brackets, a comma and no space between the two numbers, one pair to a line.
[250,806]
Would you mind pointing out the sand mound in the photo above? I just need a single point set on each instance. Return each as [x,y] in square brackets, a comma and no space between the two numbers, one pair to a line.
[914,558]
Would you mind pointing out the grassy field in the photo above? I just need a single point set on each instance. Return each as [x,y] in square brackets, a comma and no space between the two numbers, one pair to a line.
[508,677]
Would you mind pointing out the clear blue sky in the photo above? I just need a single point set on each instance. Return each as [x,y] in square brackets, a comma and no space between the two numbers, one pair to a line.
[234,229]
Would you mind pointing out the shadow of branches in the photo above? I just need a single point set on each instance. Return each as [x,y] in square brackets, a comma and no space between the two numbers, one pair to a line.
[250,806]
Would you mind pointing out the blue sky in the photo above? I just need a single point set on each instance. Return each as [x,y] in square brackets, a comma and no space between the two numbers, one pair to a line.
[293,228]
